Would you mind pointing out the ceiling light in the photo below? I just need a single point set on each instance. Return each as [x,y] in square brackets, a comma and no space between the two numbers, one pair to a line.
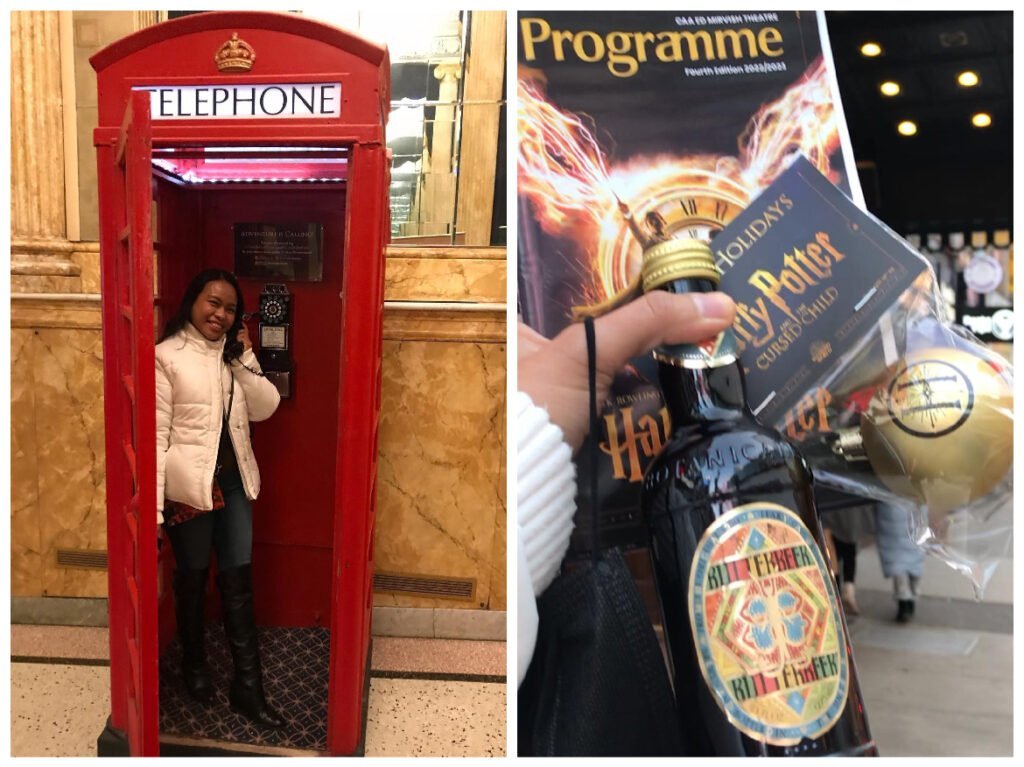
[871,50]
[907,128]
[889,88]
[968,79]
[981,120]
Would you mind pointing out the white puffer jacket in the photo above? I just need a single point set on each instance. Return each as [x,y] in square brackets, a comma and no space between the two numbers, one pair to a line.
[193,386]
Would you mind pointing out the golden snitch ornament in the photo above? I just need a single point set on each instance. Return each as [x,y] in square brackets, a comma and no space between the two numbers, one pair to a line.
[940,432]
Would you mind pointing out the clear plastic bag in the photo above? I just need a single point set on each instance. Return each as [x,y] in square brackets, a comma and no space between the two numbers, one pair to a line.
[920,413]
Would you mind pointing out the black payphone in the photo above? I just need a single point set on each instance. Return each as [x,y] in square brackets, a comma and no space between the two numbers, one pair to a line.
[275,318]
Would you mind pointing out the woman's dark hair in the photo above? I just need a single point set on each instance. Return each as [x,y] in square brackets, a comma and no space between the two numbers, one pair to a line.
[178,320]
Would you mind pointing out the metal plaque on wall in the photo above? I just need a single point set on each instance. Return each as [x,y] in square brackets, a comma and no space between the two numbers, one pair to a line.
[288,251]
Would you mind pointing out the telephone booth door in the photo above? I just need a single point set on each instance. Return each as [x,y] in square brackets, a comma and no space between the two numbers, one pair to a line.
[180,192]
[129,400]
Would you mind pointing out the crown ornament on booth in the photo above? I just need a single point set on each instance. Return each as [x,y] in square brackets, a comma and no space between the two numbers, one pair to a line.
[235,55]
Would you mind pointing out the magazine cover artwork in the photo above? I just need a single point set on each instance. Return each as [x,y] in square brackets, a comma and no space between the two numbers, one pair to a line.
[635,127]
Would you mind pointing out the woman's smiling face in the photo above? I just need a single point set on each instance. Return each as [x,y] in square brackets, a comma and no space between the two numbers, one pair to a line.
[213,312]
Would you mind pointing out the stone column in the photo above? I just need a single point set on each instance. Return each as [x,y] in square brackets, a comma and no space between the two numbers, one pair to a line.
[436,201]
[40,251]
[481,114]
[444,116]
[143,19]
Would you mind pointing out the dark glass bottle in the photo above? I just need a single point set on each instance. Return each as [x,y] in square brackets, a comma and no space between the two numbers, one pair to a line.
[736,547]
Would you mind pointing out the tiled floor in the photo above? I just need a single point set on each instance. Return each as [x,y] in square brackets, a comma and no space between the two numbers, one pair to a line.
[941,686]
[57,710]
[416,717]
[428,697]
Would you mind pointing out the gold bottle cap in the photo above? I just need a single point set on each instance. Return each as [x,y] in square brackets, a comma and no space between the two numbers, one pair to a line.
[682,259]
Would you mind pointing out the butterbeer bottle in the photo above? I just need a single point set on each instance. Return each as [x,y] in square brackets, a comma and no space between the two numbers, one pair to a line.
[759,654]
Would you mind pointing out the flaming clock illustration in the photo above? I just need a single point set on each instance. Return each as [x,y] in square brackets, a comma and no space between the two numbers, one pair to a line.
[574,191]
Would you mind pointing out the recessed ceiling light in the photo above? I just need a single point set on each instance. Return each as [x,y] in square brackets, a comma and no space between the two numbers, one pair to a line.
[871,49]
[889,88]
[981,120]
[968,79]
[907,128]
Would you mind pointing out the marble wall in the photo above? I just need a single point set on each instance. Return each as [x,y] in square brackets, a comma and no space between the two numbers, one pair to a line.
[92,31]
[441,480]
[57,452]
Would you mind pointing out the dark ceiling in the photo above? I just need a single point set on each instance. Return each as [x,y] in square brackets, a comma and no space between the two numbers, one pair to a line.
[951,176]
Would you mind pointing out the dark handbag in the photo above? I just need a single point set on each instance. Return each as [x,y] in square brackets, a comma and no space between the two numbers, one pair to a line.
[597,684]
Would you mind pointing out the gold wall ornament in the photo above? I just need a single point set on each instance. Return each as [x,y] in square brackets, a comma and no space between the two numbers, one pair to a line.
[940,432]
[235,55]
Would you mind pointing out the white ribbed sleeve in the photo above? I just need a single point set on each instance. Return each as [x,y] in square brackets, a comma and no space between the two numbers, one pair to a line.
[546,490]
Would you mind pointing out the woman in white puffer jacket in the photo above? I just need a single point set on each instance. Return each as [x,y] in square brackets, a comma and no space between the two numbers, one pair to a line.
[208,387]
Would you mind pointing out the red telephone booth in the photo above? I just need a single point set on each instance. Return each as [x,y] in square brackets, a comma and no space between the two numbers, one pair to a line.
[252,142]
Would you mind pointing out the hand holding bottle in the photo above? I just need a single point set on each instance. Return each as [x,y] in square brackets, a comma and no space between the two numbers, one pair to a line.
[554,372]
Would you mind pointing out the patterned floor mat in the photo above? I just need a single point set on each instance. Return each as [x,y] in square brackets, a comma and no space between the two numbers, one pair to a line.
[295,673]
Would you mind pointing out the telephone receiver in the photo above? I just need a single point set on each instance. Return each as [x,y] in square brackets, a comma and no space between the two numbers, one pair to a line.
[233,348]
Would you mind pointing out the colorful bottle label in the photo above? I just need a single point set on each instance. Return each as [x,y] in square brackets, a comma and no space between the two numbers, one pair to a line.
[767,627]
[712,353]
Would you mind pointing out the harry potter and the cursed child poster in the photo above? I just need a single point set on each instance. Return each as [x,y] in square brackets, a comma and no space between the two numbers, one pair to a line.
[635,127]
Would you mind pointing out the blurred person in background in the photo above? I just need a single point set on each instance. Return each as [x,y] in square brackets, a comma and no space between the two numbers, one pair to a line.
[902,559]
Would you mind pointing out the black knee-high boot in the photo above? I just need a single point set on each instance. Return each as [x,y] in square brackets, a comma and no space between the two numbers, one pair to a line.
[189,601]
[246,696]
